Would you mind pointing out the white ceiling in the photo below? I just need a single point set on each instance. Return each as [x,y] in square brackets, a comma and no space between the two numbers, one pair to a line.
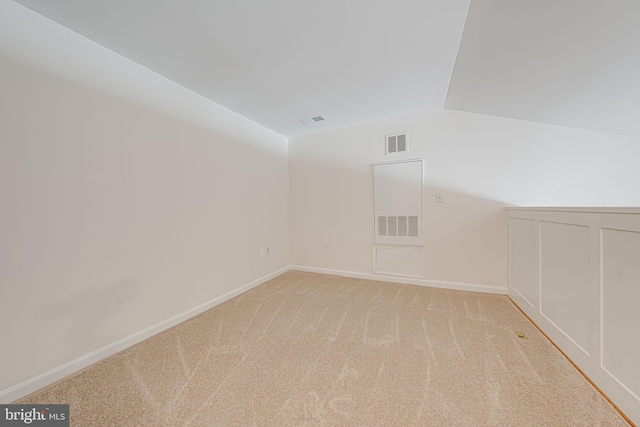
[568,62]
[278,61]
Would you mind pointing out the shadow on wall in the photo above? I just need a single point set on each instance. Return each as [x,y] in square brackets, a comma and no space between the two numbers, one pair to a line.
[465,237]
[112,174]
[89,313]
[96,186]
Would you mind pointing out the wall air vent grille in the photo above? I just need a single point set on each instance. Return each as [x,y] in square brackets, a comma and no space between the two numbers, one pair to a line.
[382,226]
[392,227]
[400,226]
[413,226]
[397,143]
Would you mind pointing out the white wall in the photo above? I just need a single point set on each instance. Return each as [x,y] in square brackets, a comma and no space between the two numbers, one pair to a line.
[125,199]
[575,271]
[480,163]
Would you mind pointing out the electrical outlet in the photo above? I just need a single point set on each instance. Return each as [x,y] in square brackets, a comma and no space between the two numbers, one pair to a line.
[326,246]
[267,250]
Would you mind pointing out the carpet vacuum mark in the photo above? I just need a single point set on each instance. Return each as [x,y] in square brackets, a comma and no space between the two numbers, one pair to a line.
[307,349]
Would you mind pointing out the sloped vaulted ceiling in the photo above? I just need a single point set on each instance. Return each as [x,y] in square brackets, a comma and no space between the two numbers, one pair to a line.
[568,62]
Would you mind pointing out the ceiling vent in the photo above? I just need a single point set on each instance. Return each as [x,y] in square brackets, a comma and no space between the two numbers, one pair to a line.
[315,119]
[397,143]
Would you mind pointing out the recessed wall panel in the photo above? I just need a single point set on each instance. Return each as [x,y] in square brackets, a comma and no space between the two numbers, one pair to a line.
[523,261]
[621,307]
[564,270]
[399,261]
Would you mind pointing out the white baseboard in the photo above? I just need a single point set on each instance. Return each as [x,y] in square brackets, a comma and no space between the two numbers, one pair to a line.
[31,385]
[502,290]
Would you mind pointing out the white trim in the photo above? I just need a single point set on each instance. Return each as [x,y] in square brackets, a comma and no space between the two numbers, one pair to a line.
[611,210]
[391,162]
[521,296]
[502,290]
[47,378]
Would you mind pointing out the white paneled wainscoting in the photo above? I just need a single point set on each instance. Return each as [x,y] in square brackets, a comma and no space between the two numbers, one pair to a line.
[576,273]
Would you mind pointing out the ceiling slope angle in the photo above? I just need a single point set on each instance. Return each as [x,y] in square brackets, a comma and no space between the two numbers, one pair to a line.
[573,63]
[279,61]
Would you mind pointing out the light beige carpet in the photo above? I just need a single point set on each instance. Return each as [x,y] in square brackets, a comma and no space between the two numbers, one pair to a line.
[313,350]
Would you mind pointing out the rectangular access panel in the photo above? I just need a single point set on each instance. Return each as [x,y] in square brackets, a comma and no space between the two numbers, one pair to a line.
[398,243]
[398,203]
